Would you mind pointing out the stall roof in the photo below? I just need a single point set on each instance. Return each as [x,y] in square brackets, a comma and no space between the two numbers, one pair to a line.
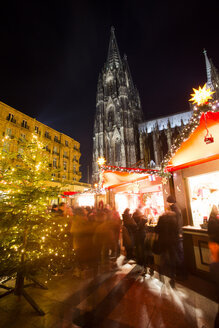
[117,176]
[195,150]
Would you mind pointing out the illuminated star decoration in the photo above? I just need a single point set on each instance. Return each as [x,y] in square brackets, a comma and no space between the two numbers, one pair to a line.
[201,95]
[101,161]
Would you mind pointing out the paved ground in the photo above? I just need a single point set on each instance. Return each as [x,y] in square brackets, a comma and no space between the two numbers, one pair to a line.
[113,299]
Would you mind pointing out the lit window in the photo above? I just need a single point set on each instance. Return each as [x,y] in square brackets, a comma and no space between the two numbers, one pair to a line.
[65,165]
[47,135]
[6,146]
[66,143]
[11,118]
[24,124]
[8,132]
[55,150]
[55,162]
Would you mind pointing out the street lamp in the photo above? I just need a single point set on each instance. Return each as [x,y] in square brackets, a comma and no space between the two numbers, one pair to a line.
[101,161]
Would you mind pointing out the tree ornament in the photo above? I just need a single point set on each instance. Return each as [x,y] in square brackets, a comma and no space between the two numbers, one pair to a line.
[208,138]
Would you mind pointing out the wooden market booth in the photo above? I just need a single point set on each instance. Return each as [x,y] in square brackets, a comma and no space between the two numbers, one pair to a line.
[134,187]
[195,168]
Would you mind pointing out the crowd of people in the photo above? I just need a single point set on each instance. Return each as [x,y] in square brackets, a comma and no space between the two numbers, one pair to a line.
[165,239]
[94,234]
[100,235]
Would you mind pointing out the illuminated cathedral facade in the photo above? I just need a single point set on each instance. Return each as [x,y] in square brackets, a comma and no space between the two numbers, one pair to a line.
[118,113]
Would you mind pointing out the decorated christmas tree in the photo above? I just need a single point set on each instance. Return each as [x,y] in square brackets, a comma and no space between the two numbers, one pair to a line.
[32,239]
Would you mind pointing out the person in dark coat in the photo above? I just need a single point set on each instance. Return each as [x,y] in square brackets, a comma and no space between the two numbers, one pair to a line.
[213,225]
[82,231]
[128,232]
[167,230]
[173,206]
[213,233]
[139,236]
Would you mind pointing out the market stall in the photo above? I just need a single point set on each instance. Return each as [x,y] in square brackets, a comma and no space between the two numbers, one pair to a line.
[133,188]
[195,168]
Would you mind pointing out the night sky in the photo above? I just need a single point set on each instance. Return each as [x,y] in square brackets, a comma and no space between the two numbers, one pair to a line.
[52,52]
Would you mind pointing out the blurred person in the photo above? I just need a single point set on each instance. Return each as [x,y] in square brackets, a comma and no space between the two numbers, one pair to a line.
[92,215]
[213,233]
[173,206]
[148,254]
[116,226]
[104,238]
[54,208]
[128,233]
[99,235]
[167,230]
[66,212]
[82,231]
[139,236]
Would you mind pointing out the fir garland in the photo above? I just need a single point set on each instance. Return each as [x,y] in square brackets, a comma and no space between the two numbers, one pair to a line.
[160,173]
[189,129]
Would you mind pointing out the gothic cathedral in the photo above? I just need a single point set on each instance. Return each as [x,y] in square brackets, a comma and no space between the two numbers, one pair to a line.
[118,113]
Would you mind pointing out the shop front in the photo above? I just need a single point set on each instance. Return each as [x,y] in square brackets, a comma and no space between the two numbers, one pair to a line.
[195,168]
[135,188]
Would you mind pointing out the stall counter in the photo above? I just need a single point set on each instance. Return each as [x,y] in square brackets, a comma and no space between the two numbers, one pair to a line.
[197,254]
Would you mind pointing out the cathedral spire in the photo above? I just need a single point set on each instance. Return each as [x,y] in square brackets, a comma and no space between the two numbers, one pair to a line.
[113,58]
[208,70]
[129,77]
[212,76]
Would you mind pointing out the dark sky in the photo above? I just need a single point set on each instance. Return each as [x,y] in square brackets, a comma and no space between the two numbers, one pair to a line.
[52,52]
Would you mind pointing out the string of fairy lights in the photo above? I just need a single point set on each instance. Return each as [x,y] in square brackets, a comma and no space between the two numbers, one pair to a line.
[202,100]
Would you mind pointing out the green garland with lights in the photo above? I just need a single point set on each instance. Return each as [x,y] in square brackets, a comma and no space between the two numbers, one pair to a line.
[189,129]
[160,173]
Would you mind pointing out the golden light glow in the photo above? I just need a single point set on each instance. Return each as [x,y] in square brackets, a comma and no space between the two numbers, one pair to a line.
[101,161]
[86,200]
[201,95]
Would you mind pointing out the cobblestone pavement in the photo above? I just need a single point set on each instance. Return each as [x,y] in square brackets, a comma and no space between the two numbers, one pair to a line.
[113,298]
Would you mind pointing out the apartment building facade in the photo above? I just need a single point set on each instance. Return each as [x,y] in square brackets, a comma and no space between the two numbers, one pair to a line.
[63,151]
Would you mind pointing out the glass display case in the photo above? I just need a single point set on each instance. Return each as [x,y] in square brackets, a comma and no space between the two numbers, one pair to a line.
[203,194]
